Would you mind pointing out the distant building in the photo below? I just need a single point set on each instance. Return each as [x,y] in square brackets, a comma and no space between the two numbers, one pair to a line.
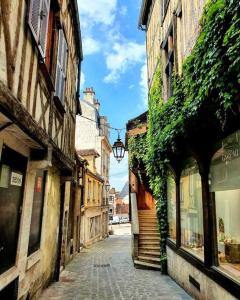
[92,144]
[111,203]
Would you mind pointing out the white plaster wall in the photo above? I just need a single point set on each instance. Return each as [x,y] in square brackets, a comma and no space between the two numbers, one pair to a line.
[86,130]
[179,269]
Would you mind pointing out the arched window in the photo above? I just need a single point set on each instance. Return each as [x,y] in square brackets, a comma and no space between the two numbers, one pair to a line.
[224,183]
[171,201]
[191,211]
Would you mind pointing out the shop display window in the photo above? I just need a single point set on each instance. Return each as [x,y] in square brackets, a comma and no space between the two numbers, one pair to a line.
[225,185]
[171,201]
[191,211]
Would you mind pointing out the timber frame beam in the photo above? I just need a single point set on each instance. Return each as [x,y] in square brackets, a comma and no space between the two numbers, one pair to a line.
[14,110]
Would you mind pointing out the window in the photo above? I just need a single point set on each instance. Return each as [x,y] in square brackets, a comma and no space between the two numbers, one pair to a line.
[171,201]
[38,21]
[100,193]
[42,22]
[94,190]
[191,210]
[37,211]
[164,9]
[169,58]
[225,186]
[89,190]
[61,71]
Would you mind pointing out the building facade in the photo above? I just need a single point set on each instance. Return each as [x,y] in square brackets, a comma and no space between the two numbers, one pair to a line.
[94,212]
[202,189]
[40,65]
[92,144]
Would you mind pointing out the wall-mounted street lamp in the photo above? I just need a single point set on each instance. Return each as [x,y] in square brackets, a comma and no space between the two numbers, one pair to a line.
[118,149]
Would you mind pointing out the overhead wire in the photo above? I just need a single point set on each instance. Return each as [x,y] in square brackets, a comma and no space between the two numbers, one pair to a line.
[106,125]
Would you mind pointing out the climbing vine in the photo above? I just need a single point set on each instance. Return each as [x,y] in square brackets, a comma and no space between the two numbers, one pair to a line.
[208,86]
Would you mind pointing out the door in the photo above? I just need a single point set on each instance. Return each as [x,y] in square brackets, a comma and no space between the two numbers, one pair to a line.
[12,175]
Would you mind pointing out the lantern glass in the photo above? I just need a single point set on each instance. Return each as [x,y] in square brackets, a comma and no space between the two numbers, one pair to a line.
[118,150]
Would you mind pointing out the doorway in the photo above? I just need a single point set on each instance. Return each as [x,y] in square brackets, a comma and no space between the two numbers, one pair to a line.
[12,176]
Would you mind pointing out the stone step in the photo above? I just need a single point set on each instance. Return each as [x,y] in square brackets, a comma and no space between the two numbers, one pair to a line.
[144,265]
[150,253]
[149,259]
[147,211]
[144,243]
[150,231]
[148,223]
[150,234]
[146,220]
[149,248]
[147,237]
[148,226]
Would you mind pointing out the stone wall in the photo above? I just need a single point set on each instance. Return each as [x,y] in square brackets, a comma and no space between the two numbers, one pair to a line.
[179,269]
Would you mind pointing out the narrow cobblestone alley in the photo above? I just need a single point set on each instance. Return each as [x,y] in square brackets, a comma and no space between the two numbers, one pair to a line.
[105,272]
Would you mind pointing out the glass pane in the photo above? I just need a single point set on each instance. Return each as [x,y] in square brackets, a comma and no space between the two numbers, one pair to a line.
[37,210]
[225,184]
[171,198]
[191,210]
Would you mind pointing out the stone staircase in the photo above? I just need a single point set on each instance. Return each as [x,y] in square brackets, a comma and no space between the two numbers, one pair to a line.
[149,241]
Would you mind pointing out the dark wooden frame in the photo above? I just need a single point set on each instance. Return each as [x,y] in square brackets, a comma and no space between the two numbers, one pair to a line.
[210,263]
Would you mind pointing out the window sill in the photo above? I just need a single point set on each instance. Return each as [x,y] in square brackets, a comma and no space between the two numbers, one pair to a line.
[8,276]
[33,259]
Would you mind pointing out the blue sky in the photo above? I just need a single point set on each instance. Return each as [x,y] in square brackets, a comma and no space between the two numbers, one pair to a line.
[114,65]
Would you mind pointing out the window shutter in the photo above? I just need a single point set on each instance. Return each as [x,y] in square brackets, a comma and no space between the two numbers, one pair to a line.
[34,17]
[61,66]
[44,15]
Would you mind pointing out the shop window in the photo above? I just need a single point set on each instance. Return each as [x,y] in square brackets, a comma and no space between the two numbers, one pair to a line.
[171,200]
[225,185]
[191,210]
[37,211]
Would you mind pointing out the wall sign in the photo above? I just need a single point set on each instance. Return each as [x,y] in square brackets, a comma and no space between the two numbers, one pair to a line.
[16,179]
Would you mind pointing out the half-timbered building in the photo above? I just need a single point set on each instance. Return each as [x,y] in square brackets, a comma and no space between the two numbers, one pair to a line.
[40,59]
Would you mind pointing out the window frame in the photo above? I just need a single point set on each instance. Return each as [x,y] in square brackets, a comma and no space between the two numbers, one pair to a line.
[209,265]
[37,247]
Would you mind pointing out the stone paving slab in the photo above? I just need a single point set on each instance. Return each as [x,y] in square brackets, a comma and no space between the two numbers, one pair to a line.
[105,271]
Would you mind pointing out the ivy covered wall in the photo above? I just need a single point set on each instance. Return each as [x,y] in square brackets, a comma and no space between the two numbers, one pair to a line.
[206,99]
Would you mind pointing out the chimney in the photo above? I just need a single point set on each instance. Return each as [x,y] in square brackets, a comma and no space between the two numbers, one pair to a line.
[89,95]
[97,104]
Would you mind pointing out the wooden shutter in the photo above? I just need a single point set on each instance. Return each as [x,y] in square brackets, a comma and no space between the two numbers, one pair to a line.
[34,18]
[44,16]
[61,66]
[38,22]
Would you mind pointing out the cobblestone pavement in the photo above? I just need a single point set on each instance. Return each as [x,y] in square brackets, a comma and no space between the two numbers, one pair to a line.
[105,271]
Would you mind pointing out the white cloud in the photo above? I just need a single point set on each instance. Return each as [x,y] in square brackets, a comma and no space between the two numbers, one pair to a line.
[100,11]
[122,58]
[118,172]
[90,46]
[123,10]
[144,86]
